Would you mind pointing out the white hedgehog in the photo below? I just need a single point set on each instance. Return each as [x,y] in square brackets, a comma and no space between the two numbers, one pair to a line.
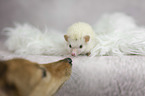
[80,39]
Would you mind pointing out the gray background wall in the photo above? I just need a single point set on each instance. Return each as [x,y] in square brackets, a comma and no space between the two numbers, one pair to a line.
[59,14]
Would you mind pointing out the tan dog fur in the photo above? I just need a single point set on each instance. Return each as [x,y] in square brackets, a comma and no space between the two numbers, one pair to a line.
[20,77]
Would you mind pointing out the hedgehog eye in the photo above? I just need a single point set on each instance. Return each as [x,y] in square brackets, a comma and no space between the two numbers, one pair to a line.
[70,46]
[81,46]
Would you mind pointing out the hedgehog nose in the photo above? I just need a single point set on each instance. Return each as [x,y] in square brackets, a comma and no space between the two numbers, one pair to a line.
[69,60]
[73,54]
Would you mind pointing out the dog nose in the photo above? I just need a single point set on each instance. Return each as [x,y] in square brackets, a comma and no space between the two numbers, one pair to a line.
[69,60]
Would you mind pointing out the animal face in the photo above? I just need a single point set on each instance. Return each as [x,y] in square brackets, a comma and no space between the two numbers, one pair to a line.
[60,70]
[20,77]
[77,46]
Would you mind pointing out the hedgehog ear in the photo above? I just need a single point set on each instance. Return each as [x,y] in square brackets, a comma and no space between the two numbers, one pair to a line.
[87,38]
[66,38]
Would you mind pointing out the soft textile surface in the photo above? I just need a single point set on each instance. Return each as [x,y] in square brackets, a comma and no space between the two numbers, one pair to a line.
[117,34]
[97,76]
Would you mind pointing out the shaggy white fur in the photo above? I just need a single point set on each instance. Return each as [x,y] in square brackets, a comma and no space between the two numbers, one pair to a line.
[26,39]
[117,34]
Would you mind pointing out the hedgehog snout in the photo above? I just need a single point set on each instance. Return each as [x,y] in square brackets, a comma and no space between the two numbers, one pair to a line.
[73,54]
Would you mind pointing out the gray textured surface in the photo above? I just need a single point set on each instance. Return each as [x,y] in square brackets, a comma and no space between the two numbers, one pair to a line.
[106,76]
[59,14]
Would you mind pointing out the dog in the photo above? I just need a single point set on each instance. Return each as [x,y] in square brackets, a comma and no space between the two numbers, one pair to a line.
[20,77]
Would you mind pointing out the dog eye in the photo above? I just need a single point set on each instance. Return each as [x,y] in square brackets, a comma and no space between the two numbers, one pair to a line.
[81,46]
[70,46]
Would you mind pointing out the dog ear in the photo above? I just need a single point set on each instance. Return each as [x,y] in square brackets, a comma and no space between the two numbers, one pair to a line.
[66,38]
[87,38]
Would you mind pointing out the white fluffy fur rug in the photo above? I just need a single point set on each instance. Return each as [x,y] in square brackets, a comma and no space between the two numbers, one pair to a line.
[117,34]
